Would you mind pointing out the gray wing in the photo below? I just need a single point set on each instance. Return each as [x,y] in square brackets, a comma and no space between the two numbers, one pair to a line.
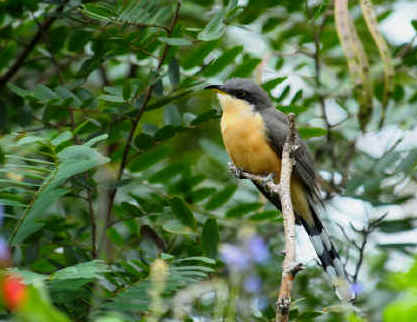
[276,124]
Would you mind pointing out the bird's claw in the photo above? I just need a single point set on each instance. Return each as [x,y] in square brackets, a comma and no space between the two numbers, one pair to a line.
[237,172]
[269,178]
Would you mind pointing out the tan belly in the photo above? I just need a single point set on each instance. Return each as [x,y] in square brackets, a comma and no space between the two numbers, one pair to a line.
[244,139]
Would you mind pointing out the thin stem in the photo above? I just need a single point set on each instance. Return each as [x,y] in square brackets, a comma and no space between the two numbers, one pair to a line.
[288,272]
[141,110]
[32,44]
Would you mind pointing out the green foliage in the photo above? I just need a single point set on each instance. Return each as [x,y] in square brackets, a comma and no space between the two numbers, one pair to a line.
[112,162]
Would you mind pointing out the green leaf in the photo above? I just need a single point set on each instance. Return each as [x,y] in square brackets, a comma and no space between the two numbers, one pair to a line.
[175,41]
[310,132]
[296,109]
[144,141]
[149,158]
[38,308]
[174,72]
[89,66]
[61,138]
[112,98]
[214,29]
[285,92]
[414,24]
[298,95]
[30,222]
[100,11]
[397,225]
[409,163]
[78,39]
[166,132]
[223,61]
[200,194]
[44,93]
[402,310]
[181,211]
[243,209]
[66,94]
[177,227]
[88,270]
[17,90]
[28,276]
[204,117]
[246,67]
[271,84]
[270,24]
[221,197]
[210,237]
[30,140]
[196,258]
[97,139]
[167,173]
[172,116]
[72,160]
[197,55]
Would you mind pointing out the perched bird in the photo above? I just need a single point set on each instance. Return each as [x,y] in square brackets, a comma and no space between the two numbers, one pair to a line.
[254,133]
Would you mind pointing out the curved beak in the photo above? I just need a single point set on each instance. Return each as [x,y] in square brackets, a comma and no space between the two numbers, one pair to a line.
[217,88]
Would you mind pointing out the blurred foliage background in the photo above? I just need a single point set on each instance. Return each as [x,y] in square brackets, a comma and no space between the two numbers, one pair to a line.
[115,196]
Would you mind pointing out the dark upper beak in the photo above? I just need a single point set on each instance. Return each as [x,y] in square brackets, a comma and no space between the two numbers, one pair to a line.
[215,87]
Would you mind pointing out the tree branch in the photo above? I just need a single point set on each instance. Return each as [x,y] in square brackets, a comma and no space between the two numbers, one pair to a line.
[290,267]
[365,232]
[32,44]
[288,273]
[141,110]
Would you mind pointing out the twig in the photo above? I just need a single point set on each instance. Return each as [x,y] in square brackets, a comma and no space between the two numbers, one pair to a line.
[141,110]
[284,298]
[29,48]
[406,49]
[290,267]
[365,232]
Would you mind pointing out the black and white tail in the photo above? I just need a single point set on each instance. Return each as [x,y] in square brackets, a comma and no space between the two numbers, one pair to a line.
[325,250]
[328,256]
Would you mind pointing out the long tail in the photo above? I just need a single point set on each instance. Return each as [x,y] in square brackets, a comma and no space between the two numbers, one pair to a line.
[325,250]
[329,257]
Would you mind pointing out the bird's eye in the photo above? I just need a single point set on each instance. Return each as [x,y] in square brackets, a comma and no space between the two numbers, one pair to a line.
[240,94]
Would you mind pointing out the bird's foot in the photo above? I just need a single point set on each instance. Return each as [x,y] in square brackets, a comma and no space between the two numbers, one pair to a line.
[237,172]
[267,179]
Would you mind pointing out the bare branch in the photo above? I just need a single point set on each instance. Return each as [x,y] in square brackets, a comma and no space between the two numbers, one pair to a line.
[288,161]
[365,232]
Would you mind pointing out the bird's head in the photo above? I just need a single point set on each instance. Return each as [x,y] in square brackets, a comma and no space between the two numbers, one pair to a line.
[243,89]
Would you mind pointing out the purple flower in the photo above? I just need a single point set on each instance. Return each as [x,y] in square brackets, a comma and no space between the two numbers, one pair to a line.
[252,284]
[258,250]
[1,214]
[234,257]
[4,253]
[357,288]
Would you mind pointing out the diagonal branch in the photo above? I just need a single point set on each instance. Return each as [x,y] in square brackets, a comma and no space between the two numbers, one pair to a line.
[135,123]
[32,44]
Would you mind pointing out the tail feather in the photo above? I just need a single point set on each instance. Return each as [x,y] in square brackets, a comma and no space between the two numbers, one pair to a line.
[329,257]
[327,253]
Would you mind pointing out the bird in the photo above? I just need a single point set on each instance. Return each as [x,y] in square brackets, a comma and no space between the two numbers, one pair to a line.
[254,133]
